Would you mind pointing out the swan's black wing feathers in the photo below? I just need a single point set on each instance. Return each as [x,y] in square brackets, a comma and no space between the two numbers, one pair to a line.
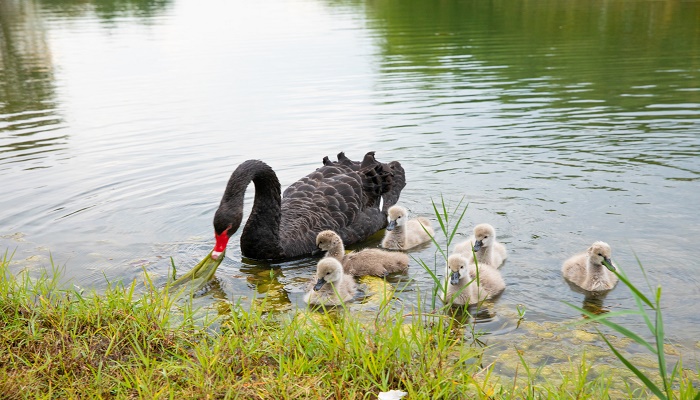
[328,198]
[342,196]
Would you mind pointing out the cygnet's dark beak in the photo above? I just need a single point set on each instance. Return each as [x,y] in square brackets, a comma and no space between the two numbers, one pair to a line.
[608,264]
[391,226]
[319,284]
[316,251]
[454,278]
[478,244]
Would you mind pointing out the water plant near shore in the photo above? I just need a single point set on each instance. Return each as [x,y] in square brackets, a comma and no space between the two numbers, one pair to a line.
[445,215]
[650,312]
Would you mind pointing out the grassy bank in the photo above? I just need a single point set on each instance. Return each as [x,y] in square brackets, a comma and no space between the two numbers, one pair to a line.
[128,343]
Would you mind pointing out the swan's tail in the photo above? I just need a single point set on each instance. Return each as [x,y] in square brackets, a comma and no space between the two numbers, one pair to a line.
[379,180]
[396,184]
[344,160]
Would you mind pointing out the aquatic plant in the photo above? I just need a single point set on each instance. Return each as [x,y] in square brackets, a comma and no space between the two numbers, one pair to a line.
[445,216]
[650,312]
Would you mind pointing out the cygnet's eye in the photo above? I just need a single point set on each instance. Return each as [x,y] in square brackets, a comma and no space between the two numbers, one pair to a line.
[461,267]
[600,254]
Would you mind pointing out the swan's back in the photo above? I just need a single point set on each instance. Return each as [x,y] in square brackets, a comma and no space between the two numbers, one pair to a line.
[415,234]
[491,283]
[375,262]
[342,197]
[575,268]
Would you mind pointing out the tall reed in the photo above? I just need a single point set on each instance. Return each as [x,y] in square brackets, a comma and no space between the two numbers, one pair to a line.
[445,217]
[650,311]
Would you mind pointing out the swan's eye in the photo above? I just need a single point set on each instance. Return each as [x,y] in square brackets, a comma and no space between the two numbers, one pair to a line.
[600,254]
[462,267]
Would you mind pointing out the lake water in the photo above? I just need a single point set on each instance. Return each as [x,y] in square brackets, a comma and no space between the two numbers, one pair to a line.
[559,122]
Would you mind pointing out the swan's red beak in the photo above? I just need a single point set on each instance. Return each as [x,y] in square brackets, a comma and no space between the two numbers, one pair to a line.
[220,246]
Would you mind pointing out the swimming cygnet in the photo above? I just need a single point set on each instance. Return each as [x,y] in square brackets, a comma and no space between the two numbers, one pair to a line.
[592,270]
[488,250]
[460,273]
[329,280]
[403,233]
[364,262]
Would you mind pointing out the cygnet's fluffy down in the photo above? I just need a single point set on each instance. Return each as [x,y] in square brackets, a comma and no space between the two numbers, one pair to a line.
[403,233]
[488,250]
[463,287]
[592,270]
[332,286]
[364,262]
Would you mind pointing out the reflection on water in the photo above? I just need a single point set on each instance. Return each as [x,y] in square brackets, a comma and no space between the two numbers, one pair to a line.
[552,54]
[594,303]
[29,119]
[271,294]
[107,10]
[559,122]
[29,110]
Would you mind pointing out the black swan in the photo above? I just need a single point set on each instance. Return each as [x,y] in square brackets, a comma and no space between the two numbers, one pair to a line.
[342,196]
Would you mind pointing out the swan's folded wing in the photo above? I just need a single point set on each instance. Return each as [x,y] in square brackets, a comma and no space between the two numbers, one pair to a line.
[342,196]
[328,198]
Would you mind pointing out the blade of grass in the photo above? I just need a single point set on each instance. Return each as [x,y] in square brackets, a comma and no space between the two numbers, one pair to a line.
[649,384]
[638,296]
[437,245]
[454,230]
[444,208]
[598,317]
[620,329]
[634,290]
[659,331]
[439,218]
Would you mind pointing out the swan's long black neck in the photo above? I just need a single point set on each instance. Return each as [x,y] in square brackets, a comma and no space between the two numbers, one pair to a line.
[260,237]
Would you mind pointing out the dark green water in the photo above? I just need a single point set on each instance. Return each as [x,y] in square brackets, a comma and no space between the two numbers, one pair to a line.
[561,122]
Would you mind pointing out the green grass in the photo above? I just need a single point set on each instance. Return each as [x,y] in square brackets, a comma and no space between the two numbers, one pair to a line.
[59,343]
[138,341]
